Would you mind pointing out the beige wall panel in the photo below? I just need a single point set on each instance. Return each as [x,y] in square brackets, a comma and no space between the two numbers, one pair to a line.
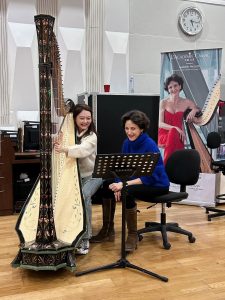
[23,67]
[21,11]
[71,13]
[72,49]
[116,61]
[117,15]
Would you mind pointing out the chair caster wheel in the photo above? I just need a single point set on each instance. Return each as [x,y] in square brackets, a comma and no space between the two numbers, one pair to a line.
[167,246]
[140,237]
[191,239]
[209,219]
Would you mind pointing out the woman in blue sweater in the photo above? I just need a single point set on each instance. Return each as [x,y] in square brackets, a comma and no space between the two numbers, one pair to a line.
[135,124]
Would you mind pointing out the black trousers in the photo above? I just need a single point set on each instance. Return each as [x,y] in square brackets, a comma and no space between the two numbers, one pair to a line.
[134,192]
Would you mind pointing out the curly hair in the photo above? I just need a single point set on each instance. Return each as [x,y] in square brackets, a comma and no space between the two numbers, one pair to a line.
[173,77]
[137,117]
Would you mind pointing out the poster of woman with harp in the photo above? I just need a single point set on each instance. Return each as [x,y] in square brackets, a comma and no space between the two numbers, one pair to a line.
[189,97]
[189,93]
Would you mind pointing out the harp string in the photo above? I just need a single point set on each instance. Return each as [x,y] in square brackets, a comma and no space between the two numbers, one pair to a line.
[208,112]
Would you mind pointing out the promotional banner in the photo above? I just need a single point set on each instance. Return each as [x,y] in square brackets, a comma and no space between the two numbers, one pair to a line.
[189,96]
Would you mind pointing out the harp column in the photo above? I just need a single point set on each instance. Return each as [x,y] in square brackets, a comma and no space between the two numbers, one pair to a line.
[48,7]
[4,76]
[94,12]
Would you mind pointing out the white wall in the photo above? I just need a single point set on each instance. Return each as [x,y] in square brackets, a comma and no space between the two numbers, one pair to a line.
[154,29]
[22,58]
[71,39]
[116,45]
[135,33]
[22,63]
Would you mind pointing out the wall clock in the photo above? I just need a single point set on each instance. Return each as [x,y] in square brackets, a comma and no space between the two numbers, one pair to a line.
[191,21]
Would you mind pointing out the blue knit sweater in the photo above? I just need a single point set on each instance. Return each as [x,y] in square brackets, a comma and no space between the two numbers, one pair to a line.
[144,144]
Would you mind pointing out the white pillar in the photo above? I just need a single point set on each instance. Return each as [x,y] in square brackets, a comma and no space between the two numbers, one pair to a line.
[47,7]
[94,11]
[4,76]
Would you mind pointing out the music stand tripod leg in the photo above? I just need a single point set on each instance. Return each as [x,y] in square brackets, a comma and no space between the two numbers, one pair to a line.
[104,163]
[123,261]
[105,267]
[132,266]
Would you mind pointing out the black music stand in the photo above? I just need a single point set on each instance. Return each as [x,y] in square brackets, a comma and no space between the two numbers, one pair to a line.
[124,166]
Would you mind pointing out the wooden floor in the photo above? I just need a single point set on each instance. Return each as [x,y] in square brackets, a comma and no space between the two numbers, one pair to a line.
[195,271]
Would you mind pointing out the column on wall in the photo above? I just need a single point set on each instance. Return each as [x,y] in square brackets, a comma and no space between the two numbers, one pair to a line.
[116,45]
[94,10]
[47,7]
[4,78]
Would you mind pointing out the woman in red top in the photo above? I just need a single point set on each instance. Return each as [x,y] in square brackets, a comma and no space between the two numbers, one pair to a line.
[171,134]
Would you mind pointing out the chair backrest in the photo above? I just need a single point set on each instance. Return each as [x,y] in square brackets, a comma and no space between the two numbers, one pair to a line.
[213,140]
[183,167]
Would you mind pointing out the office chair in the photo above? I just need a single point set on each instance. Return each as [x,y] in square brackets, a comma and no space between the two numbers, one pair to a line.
[183,168]
[213,142]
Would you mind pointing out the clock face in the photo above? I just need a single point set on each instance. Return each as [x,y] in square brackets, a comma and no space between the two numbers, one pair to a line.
[190,21]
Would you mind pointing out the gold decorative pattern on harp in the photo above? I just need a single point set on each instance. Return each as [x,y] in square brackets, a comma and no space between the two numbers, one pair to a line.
[208,112]
[52,221]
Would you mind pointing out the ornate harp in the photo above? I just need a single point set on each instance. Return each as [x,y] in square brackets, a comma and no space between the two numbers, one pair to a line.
[52,221]
[195,133]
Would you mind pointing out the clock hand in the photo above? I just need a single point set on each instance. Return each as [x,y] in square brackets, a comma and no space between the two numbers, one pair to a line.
[193,21]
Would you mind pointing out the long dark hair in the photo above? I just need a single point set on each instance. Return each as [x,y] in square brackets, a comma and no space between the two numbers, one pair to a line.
[77,109]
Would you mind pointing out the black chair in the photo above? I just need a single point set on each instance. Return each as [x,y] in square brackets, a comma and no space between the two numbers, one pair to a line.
[213,142]
[183,168]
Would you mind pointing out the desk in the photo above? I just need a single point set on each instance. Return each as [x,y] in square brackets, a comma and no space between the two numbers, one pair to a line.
[12,164]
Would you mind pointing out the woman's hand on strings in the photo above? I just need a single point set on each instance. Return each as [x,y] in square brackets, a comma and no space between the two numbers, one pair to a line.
[57,138]
[59,148]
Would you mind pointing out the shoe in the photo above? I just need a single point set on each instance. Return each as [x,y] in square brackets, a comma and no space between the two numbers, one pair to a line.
[83,248]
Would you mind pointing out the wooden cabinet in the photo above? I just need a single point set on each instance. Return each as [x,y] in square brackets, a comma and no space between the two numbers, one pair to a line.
[6,184]
[12,164]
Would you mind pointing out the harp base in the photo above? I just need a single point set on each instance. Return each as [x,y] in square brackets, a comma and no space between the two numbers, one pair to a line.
[45,260]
